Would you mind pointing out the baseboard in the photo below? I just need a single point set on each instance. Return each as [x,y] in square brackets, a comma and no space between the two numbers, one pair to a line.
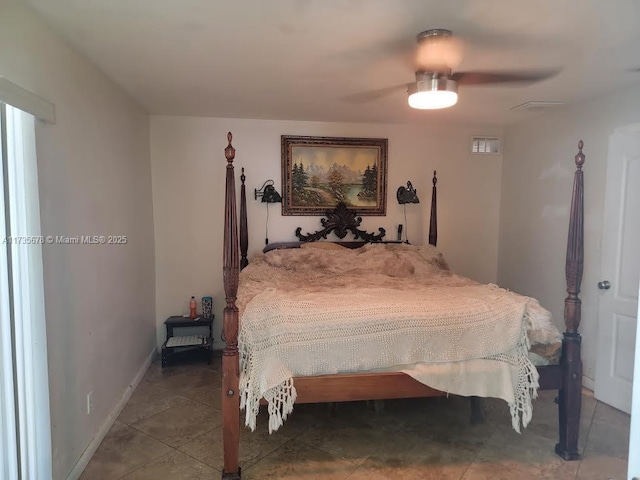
[588,383]
[108,423]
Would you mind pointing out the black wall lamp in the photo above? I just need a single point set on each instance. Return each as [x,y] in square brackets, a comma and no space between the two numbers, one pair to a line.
[406,195]
[268,194]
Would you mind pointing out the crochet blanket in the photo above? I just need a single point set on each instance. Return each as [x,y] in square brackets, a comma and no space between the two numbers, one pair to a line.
[327,312]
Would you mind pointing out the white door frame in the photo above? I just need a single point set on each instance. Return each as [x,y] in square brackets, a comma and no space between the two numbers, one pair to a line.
[633,467]
[24,376]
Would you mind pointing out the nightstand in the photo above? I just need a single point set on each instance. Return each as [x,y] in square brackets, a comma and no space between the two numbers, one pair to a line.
[175,354]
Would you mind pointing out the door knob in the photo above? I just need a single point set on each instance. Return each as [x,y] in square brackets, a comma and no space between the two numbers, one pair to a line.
[604,285]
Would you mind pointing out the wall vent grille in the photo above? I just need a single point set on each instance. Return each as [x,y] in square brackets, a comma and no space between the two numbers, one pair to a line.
[480,145]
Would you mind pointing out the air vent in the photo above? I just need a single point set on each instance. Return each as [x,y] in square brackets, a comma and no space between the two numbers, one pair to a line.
[536,105]
[485,145]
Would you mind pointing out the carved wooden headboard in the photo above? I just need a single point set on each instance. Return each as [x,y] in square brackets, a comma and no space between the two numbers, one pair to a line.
[341,220]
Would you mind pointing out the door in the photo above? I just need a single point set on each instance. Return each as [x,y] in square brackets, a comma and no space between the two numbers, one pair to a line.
[620,271]
[634,437]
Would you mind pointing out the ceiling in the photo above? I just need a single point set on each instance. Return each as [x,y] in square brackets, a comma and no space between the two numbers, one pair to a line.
[309,59]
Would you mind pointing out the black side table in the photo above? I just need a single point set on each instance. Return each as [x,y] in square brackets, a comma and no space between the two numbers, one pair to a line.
[174,353]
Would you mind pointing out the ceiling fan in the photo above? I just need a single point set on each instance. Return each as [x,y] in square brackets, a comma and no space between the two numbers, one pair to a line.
[438,53]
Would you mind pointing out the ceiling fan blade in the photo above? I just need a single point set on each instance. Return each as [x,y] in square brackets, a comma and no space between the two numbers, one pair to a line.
[484,78]
[514,38]
[371,95]
[371,54]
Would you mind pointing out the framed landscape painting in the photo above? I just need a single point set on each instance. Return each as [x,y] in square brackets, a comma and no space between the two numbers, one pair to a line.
[320,172]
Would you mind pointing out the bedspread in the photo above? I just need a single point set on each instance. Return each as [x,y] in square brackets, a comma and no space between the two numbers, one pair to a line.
[377,307]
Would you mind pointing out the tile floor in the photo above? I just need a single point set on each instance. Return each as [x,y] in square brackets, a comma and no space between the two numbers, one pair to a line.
[170,429]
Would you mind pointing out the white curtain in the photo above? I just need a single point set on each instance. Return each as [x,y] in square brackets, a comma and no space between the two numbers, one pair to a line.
[25,436]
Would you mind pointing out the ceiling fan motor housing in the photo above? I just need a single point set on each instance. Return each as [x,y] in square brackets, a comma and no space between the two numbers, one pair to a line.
[432,90]
[437,50]
[434,32]
[432,82]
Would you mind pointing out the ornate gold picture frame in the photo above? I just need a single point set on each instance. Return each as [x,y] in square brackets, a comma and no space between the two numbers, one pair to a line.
[320,172]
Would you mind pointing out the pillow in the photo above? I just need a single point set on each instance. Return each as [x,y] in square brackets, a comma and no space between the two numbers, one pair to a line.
[323,246]
[433,256]
[381,260]
[428,253]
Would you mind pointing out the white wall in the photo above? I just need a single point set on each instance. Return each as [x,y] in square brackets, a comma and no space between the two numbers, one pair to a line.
[188,166]
[94,175]
[537,179]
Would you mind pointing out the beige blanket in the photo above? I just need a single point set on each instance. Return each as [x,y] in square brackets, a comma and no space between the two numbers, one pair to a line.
[338,311]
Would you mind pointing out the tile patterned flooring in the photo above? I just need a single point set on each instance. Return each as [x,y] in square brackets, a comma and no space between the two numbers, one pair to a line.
[170,429]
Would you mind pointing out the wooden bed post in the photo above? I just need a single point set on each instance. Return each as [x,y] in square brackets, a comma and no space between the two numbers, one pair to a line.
[433,221]
[230,359]
[570,397]
[477,414]
[244,237]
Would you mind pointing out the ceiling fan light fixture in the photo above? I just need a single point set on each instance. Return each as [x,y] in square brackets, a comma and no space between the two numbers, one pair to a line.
[432,93]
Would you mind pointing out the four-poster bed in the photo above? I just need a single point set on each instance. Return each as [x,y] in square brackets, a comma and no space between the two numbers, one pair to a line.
[565,377]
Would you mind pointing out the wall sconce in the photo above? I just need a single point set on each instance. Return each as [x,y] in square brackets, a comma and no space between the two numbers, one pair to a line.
[268,194]
[406,195]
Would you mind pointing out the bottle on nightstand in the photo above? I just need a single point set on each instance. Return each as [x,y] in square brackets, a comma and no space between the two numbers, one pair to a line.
[193,307]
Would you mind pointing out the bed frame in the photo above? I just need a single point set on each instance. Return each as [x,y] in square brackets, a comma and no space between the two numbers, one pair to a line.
[565,377]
